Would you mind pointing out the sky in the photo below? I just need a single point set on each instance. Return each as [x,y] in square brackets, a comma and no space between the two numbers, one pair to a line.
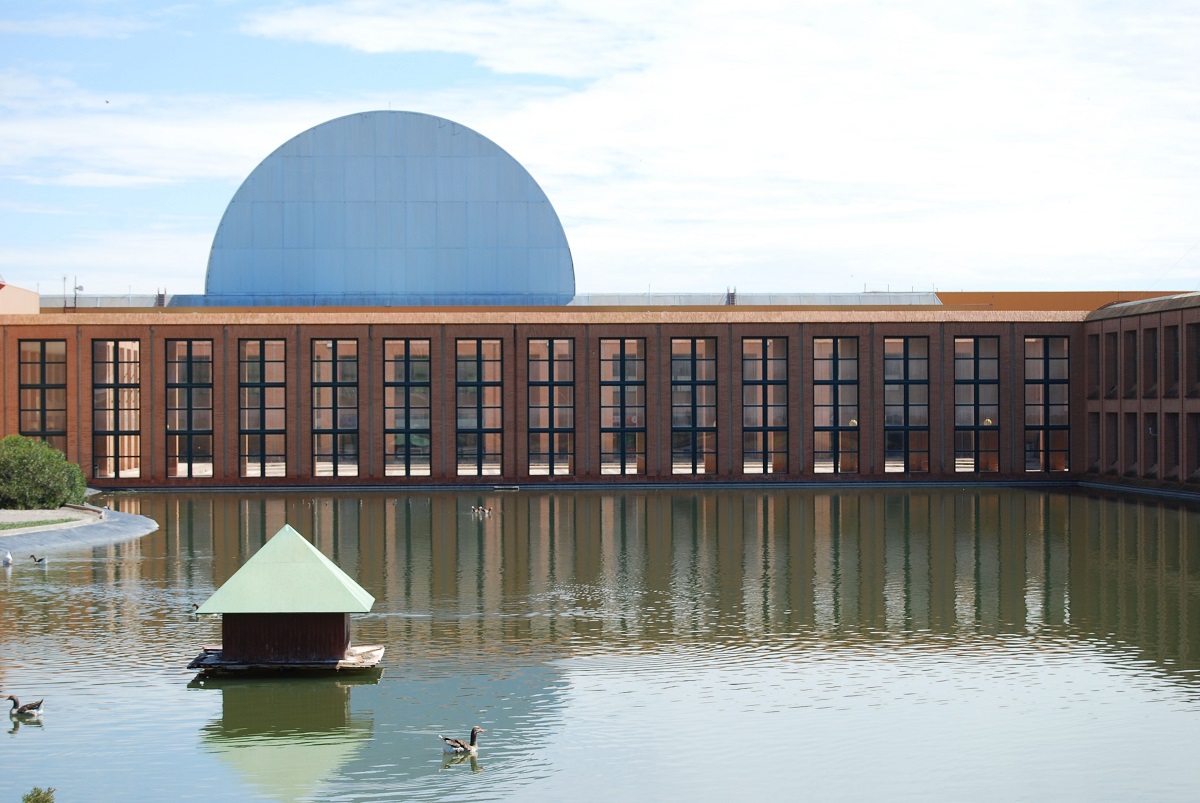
[786,147]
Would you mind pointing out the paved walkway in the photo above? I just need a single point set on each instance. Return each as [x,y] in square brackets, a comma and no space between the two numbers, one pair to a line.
[86,526]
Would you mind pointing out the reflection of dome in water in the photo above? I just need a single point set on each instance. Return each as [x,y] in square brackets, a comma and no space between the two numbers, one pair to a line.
[389,208]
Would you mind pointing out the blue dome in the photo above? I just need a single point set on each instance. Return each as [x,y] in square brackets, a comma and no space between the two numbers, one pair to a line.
[389,208]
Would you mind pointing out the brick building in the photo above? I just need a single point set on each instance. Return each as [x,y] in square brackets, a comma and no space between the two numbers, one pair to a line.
[390,300]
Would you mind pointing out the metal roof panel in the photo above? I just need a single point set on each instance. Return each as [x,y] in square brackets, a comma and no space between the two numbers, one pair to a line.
[288,575]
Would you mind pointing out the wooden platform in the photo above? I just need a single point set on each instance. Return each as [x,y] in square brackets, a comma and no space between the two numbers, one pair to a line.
[366,656]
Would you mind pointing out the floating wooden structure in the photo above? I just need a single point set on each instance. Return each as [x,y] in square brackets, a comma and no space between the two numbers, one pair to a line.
[287,608]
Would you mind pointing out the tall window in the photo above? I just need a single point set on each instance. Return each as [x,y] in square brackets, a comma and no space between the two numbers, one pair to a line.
[764,405]
[406,412]
[693,405]
[623,406]
[552,406]
[480,440]
[189,408]
[335,408]
[1047,404]
[116,408]
[906,404]
[835,405]
[1150,363]
[976,404]
[262,408]
[42,388]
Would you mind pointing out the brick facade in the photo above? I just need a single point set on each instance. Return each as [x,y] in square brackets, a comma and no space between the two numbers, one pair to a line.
[1090,406]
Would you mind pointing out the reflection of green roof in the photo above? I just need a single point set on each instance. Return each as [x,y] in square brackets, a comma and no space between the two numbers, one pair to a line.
[289,575]
[290,766]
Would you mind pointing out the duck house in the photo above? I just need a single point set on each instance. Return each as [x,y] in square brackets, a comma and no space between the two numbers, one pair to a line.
[287,607]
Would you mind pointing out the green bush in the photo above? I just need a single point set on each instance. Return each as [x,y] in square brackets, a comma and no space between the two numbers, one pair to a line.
[35,476]
[39,795]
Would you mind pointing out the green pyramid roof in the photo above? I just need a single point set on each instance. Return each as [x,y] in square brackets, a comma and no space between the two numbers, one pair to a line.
[288,575]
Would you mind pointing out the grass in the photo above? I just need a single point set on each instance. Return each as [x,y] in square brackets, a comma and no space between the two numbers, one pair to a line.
[16,525]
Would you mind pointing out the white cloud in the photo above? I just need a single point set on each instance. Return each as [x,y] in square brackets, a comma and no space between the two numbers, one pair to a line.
[787,147]
[111,262]
[84,26]
[540,37]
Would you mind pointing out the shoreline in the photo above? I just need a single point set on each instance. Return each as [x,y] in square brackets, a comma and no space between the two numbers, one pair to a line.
[89,526]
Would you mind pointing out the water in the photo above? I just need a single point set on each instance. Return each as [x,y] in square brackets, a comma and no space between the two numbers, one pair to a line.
[832,645]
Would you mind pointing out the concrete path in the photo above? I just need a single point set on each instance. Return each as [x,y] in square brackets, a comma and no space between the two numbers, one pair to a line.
[87,526]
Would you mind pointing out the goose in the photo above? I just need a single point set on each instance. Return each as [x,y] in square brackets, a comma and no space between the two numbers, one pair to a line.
[39,561]
[458,745]
[27,711]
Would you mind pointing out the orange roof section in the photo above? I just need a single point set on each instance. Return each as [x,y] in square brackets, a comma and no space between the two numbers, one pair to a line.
[1085,300]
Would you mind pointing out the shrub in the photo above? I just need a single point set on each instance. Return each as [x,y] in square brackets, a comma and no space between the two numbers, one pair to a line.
[39,795]
[35,476]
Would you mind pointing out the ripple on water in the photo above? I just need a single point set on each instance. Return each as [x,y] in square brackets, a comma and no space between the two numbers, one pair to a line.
[589,689]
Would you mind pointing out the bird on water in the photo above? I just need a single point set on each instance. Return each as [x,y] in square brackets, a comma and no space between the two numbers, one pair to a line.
[7,558]
[39,561]
[27,711]
[459,746]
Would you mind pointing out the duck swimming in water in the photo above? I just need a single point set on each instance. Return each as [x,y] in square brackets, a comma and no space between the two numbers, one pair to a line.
[27,711]
[459,746]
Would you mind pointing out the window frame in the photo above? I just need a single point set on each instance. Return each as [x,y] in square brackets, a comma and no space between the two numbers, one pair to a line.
[479,447]
[402,457]
[269,462]
[902,439]
[189,379]
[344,453]
[1043,374]
[117,426]
[559,388]
[622,380]
[771,439]
[843,433]
[971,420]
[42,392]
[694,444]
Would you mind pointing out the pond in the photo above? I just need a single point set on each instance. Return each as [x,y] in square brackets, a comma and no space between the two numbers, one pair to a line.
[830,644]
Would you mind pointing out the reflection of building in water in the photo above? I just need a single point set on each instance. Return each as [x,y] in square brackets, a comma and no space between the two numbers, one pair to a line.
[1135,573]
[286,737]
[575,569]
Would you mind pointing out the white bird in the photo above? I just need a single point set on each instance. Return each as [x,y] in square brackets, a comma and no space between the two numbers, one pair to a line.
[7,558]
[458,745]
[39,561]
[27,711]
